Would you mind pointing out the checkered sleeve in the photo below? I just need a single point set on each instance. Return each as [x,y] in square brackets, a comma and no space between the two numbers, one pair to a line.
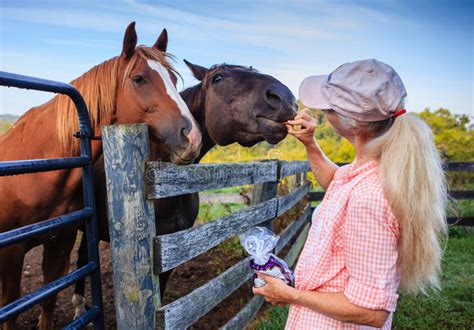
[370,253]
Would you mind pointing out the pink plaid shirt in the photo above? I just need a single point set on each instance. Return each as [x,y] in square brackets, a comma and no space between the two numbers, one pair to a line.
[351,248]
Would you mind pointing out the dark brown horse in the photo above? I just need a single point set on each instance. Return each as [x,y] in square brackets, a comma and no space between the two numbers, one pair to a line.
[231,104]
[137,86]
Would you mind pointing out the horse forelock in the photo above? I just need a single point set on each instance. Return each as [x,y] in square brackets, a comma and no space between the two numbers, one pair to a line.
[99,87]
[225,66]
[147,53]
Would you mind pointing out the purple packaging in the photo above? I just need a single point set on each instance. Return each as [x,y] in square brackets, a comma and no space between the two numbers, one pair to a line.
[259,242]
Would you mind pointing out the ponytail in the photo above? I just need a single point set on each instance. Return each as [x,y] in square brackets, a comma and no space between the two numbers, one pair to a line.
[412,175]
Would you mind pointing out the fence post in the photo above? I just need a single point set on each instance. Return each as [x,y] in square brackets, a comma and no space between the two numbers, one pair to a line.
[131,225]
[265,191]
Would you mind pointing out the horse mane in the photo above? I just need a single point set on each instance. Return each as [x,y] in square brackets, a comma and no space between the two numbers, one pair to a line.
[225,66]
[231,66]
[194,97]
[99,87]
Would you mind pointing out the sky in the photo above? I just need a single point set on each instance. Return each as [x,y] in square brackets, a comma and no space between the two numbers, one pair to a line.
[430,43]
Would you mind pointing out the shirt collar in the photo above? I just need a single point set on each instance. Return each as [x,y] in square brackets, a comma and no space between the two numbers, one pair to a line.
[351,173]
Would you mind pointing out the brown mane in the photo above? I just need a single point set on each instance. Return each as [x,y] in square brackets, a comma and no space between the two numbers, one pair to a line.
[99,88]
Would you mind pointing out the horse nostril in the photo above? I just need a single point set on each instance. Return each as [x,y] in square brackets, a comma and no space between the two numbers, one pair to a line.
[185,131]
[272,98]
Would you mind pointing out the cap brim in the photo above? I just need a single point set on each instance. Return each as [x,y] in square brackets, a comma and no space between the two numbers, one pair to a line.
[312,93]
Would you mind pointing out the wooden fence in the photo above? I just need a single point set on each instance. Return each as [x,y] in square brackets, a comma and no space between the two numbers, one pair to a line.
[138,255]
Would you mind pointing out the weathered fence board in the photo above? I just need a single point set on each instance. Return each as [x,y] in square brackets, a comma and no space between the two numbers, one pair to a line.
[290,168]
[186,310]
[287,202]
[166,179]
[462,194]
[243,317]
[460,166]
[131,225]
[464,221]
[173,249]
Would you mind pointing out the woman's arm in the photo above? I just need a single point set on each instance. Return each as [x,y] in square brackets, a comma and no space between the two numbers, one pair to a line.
[321,166]
[332,304]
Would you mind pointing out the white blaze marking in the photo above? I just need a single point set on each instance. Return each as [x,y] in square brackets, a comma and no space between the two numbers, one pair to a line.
[173,93]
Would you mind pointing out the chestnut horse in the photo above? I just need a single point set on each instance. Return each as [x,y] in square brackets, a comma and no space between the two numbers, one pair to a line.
[137,86]
[231,104]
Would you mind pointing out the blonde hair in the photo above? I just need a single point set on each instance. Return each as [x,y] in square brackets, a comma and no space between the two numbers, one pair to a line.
[415,186]
[99,88]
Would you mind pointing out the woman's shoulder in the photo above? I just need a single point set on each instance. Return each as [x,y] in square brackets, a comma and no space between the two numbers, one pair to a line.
[342,171]
[369,194]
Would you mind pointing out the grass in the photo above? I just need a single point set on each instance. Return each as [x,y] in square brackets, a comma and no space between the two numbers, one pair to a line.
[211,211]
[451,308]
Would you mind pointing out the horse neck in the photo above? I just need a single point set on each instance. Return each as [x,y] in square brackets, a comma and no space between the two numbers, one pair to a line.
[35,134]
[195,99]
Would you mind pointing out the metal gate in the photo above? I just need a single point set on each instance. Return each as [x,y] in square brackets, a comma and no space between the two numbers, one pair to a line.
[87,214]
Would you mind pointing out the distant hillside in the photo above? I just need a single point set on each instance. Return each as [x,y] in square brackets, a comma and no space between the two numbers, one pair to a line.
[7,121]
[9,118]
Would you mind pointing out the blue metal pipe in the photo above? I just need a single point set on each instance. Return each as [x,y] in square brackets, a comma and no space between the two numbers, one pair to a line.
[84,319]
[23,233]
[31,299]
[42,165]
[91,234]
[15,80]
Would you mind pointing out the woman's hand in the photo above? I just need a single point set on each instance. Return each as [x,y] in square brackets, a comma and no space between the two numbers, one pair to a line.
[308,124]
[275,291]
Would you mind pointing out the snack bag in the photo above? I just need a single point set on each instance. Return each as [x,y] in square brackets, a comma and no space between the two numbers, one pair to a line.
[259,242]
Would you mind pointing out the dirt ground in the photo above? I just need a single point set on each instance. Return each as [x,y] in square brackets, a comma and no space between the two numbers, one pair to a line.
[184,279]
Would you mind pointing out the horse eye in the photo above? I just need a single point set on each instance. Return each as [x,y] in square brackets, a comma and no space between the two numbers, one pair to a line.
[139,80]
[217,78]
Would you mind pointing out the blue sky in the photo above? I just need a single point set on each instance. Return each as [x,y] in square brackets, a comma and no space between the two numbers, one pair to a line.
[429,43]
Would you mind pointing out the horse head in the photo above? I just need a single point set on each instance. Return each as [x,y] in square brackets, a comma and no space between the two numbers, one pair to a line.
[243,105]
[147,93]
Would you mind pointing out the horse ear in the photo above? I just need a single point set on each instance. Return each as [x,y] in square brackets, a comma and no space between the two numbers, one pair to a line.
[129,41]
[162,42]
[199,72]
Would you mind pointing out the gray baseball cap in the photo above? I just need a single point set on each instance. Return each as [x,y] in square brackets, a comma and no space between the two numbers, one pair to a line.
[366,90]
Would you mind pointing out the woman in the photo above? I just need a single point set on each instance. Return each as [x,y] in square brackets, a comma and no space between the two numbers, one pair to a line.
[383,216]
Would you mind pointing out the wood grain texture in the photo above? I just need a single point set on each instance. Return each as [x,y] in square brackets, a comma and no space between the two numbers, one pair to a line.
[295,167]
[131,225]
[173,249]
[166,179]
[262,192]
